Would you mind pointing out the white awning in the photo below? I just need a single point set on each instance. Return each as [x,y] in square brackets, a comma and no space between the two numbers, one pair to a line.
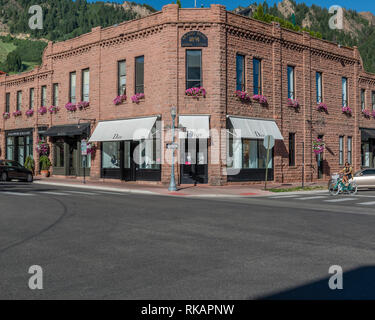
[197,127]
[131,129]
[255,128]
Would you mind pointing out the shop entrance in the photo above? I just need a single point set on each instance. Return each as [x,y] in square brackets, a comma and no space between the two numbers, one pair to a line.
[72,156]
[130,161]
[194,164]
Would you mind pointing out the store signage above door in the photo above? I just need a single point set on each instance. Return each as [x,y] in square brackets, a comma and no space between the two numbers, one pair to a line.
[194,39]
[19,133]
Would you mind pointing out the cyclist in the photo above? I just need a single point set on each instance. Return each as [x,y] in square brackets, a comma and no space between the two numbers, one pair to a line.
[347,173]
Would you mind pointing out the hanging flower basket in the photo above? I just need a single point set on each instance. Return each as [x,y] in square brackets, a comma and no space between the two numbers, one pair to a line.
[42,148]
[293,103]
[42,110]
[196,92]
[119,99]
[83,105]
[17,113]
[243,96]
[137,97]
[318,146]
[347,110]
[53,109]
[373,114]
[366,113]
[71,107]
[6,115]
[322,107]
[29,113]
[91,149]
[261,99]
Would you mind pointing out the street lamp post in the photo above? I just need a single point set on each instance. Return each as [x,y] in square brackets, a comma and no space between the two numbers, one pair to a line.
[172,184]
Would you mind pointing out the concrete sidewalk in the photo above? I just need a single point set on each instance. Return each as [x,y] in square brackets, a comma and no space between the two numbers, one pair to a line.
[157,189]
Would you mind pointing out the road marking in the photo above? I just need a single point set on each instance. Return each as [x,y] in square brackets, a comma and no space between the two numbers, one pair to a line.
[311,198]
[367,203]
[81,192]
[287,196]
[55,193]
[108,192]
[340,200]
[17,193]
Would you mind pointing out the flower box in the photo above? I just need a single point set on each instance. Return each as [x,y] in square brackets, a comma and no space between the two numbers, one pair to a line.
[6,115]
[196,92]
[373,114]
[71,107]
[347,110]
[53,109]
[318,146]
[243,96]
[42,110]
[137,97]
[29,113]
[83,105]
[366,113]
[17,113]
[293,103]
[119,99]
[261,99]
[322,107]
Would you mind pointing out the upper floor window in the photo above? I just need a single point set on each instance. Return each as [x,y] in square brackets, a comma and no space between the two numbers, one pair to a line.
[349,150]
[7,102]
[344,92]
[291,85]
[85,85]
[257,76]
[240,72]
[319,90]
[55,94]
[292,149]
[72,87]
[363,99]
[121,82]
[31,98]
[44,96]
[341,150]
[19,100]
[373,100]
[193,68]
[139,74]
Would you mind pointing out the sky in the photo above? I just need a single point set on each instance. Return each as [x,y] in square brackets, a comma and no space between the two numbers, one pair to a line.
[359,5]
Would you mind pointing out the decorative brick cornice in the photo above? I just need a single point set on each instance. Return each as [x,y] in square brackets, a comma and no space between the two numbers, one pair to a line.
[26,79]
[248,34]
[363,79]
[71,52]
[333,56]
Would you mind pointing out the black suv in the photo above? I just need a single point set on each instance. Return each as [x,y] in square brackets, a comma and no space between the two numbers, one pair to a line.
[13,170]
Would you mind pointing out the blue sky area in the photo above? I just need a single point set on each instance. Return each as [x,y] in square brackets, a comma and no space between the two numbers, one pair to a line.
[359,5]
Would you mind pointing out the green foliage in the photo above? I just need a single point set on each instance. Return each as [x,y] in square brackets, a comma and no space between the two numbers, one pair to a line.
[179,3]
[45,163]
[29,163]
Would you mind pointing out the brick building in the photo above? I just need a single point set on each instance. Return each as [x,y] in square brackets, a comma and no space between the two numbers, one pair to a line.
[220,134]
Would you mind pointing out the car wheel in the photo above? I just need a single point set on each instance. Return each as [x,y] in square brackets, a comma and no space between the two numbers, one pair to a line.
[29,178]
[4,176]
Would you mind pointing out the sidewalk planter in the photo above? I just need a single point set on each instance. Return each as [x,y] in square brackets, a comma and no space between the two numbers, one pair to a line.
[71,107]
[347,111]
[243,96]
[119,100]
[318,146]
[260,99]
[29,113]
[366,113]
[17,113]
[42,110]
[196,92]
[293,103]
[322,107]
[53,109]
[83,105]
[45,164]
[137,97]
[6,115]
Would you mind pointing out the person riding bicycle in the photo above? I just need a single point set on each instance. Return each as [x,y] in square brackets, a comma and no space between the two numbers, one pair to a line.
[347,173]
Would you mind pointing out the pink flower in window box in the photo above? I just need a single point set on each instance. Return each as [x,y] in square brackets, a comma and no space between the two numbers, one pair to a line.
[138,97]
[293,103]
[322,107]
[6,115]
[83,105]
[42,110]
[17,113]
[53,109]
[243,96]
[261,99]
[366,113]
[347,110]
[71,107]
[29,113]
[196,92]
[119,99]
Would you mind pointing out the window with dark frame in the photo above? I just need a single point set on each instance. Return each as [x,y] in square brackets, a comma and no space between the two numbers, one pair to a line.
[85,92]
[121,81]
[292,149]
[344,92]
[341,150]
[72,87]
[319,87]
[139,74]
[349,150]
[56,94]
[31,98]
[373,100]
[19,100]
[193,69]
[43,96]
[240,72]
[7,102]
[291,83]
[257,76]
[363,99]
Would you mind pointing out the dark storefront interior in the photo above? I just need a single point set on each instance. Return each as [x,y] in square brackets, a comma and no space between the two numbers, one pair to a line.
[19,145]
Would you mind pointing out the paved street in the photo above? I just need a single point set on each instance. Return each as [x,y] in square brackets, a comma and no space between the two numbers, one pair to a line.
[112,245]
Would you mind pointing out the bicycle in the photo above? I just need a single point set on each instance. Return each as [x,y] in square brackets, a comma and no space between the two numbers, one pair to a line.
[337,186]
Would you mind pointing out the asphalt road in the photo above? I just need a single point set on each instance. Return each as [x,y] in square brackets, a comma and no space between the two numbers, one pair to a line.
[107,245]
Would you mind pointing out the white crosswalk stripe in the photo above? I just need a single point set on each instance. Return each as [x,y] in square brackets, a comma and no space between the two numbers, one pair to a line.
[55,193]
[285,196]
[17,193]
[370,203]
[81,192]
[340,200]
[312,198]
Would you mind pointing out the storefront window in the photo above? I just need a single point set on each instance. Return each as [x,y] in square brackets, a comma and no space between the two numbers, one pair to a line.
[29,146]
[365,154]
[149,154]
[21,150]
[59,154]
[10,148]
[111,155]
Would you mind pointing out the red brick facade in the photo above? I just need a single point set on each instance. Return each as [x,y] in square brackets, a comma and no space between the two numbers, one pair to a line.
[158,38]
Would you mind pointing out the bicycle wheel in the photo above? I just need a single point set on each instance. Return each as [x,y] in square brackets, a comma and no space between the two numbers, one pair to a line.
[354,188]
[334,190]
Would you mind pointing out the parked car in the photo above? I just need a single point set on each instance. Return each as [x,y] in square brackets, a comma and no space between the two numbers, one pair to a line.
[365,178]
[10,170]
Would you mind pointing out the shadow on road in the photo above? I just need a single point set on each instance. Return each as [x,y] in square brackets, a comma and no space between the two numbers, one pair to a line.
[358,284]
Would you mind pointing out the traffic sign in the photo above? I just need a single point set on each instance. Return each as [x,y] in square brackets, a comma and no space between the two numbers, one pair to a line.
[172,146]
[269,142]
